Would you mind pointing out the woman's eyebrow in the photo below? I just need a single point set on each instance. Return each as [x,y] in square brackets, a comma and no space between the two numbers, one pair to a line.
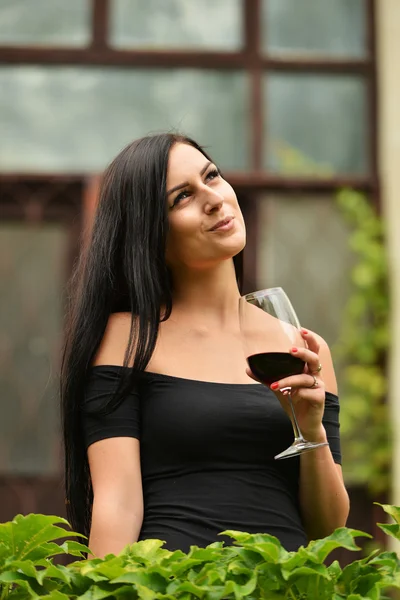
[185,183]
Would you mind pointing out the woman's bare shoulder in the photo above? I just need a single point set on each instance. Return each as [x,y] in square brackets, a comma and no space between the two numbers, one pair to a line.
[115,340]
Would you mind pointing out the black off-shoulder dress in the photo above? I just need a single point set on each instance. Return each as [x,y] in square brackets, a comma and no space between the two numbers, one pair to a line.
[207,455]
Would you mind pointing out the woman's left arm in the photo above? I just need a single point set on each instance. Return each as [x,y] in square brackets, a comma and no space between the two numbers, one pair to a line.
[323,497]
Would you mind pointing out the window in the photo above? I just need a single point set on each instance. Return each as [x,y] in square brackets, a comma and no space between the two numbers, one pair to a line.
[276,90]
[49,23]
[176,24]
[32,274]
[75,119]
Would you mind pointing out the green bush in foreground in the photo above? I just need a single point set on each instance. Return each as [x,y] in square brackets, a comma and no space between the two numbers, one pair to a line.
[256,566]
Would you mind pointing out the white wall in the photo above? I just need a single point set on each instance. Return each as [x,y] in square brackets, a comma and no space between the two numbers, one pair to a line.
[388,38]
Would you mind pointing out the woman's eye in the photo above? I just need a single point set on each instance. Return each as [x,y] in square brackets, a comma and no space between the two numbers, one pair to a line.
[180,197]
[212,174]
[186,194]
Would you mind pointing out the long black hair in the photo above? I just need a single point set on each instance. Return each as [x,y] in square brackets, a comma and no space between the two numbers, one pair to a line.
[121,267]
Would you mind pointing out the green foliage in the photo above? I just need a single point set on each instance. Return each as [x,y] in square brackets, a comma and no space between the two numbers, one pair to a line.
[362,348]
[255,567]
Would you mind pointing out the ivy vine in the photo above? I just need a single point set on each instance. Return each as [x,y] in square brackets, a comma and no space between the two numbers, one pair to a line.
[362,348]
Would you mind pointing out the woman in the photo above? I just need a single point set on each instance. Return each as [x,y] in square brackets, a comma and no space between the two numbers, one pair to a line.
[166,434]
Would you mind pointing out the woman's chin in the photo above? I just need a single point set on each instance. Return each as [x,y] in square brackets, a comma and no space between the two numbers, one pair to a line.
[234,244]
[232,250]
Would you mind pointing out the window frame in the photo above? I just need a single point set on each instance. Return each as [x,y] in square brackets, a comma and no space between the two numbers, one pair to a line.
[250,59]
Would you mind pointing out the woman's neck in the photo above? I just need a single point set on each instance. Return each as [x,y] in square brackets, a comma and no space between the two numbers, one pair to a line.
[209,296]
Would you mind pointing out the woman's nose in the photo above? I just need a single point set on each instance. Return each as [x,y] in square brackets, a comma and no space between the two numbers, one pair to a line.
[214,201]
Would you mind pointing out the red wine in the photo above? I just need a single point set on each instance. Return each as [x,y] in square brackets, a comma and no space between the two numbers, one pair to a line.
[269,367]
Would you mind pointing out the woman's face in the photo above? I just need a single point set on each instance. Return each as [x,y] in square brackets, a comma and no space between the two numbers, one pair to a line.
[199,200]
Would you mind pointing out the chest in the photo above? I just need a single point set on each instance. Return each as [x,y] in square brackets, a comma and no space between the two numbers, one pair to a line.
[201,355]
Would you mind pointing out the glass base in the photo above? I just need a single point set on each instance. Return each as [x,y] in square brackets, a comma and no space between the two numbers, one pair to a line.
[299,447]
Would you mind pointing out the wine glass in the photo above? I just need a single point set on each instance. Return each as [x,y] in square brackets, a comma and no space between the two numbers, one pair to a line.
[269,327]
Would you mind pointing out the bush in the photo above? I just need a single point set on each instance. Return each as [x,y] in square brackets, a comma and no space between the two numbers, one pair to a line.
[256,566]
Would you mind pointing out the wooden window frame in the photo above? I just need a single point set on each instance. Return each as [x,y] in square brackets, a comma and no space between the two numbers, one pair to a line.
[252,61]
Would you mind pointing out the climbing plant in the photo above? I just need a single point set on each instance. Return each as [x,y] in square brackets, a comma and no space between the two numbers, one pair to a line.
[362,348]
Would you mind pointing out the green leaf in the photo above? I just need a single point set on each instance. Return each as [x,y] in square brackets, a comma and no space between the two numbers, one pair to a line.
[75,548]
[319,550]
[217,575]
[100,591]
[179,569]
[106,572]
[204,554]
[56,595]
[254,538]
[296,560]
[149,579]
[45,551]
[55,572]
[365,585]
[25,534]
[9,577]
[267,546]
[269,552]
[146,550]
[173,558]
[359,597]
[250,559]
[143,593]
[87,566]
[313,571]
[388,562]
[236,567]
[176,589]
[335,570]
[313,587]
[23,566]
[393,529]
[393,511]
[80,584]
[350,574]
[240,591]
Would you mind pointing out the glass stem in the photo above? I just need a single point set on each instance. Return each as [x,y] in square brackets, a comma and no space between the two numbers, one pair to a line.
[297,433]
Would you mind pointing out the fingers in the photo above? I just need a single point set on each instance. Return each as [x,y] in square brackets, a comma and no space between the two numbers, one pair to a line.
[311,340]
[296,381]
[309,357]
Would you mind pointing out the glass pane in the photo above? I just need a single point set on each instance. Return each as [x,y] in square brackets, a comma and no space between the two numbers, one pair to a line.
[316,124]
[77,119]
[206,25]
[303,248]
[32,268]
[335,28]
[45,22]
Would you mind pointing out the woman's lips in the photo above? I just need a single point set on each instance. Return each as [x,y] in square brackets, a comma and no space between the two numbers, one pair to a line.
[223,225]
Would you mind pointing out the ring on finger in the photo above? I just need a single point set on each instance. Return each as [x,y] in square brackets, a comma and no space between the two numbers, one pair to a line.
[315,384]
[318,369]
